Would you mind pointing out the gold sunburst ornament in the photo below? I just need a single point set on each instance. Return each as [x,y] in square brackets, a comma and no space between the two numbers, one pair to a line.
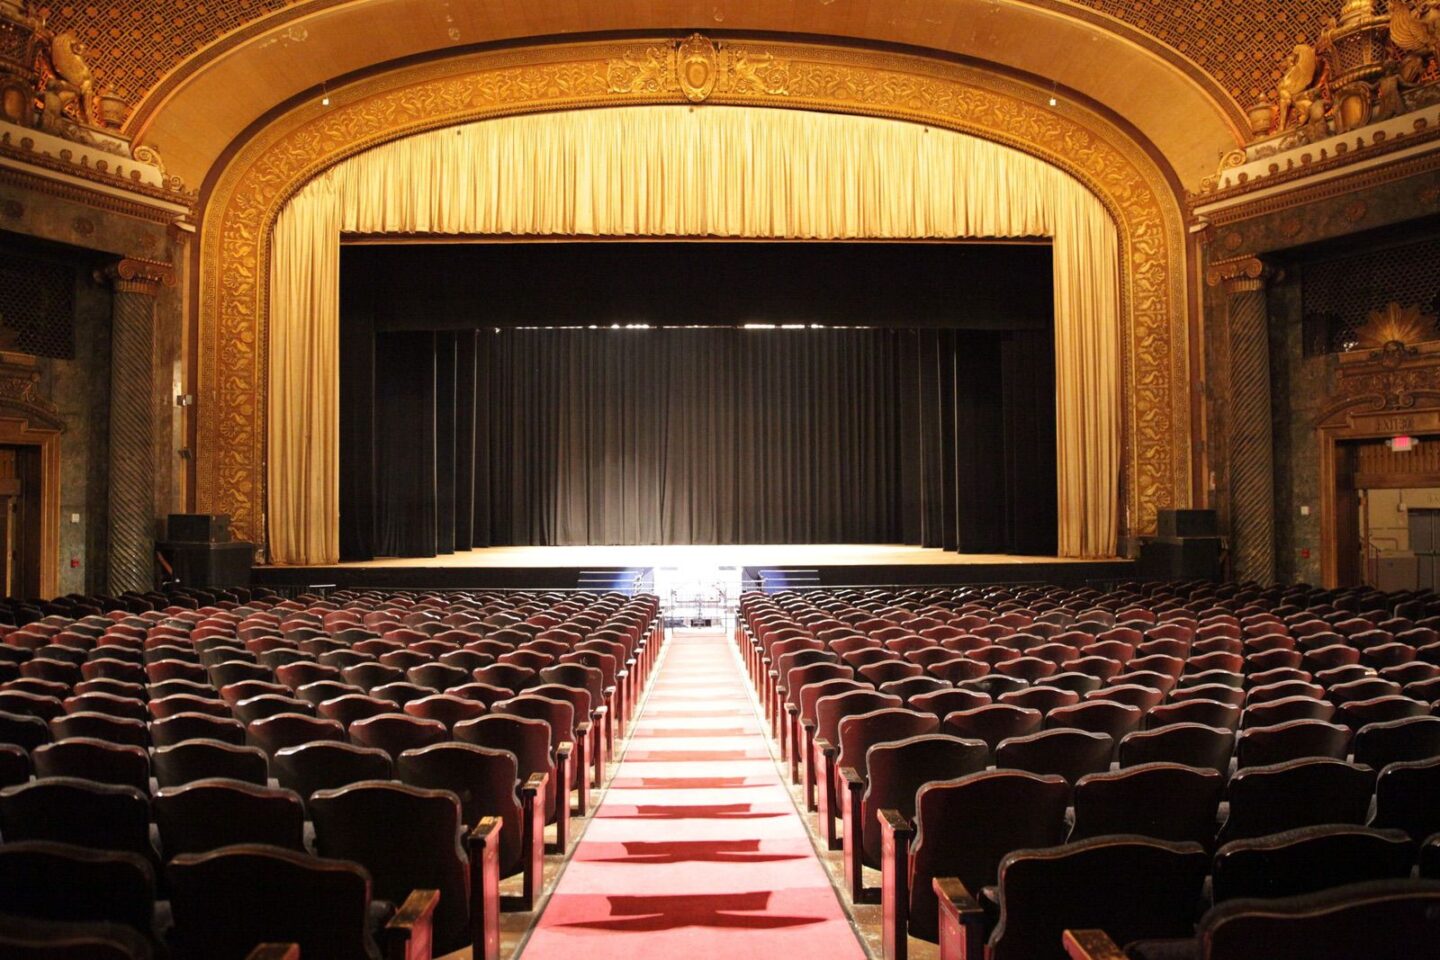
[1395,324]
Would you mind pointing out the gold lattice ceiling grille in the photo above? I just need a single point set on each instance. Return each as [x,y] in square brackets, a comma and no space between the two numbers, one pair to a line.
[1242,43]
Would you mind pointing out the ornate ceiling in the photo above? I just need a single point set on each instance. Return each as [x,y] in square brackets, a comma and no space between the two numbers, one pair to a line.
[1242,44]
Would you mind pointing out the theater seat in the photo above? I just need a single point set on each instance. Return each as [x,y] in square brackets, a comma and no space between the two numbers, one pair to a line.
[79,812]
[193,760]
[227,901]
[1165,801]
[209,814]
[1300,793]
[1405,798]
[407,838]
[962,829]
[1395,741]
[1190,744]
[897,770]
[93,760]
[1309,859]
[26,939]
[44,880]
[1339,922]
[1130,887]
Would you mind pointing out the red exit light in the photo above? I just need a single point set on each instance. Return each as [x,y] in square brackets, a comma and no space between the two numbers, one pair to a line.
[1401,444]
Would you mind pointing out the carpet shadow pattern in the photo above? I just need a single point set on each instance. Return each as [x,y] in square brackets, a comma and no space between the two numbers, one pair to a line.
[697,851]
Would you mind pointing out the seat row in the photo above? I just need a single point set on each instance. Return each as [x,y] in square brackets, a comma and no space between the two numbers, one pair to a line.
[869,726]
[285,740]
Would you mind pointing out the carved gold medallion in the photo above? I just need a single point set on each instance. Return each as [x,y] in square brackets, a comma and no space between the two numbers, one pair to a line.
[697,67]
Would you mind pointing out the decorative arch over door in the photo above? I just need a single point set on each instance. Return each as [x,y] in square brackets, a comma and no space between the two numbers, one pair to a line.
[29,420]
[248,195]
[1381,393]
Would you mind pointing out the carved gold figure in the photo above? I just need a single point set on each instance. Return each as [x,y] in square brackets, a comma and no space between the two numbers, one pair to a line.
[1416,34]
[1297,79]
[72,84]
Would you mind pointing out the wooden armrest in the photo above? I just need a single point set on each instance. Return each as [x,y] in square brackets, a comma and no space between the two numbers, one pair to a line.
[895,835]
[853,834]
[485,831]
[825,747]
[483,849]
[564,756]
[961,919]
[956,901]
[409,934]
[894,825]
[1091,945]
[275,951]
[581,729]
[532,799]
[792,708]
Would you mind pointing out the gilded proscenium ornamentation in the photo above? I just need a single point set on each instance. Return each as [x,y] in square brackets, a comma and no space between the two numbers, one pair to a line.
[250,192]
[1396,357]
[696,67]
[1395,324]
[1363,67]
[137,275]
[1241,274]
[20,390]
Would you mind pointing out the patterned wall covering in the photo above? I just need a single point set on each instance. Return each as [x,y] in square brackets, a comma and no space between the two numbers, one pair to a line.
[1242,43]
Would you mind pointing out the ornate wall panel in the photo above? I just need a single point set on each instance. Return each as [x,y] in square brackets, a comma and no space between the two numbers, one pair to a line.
[276,162]
[1242,44]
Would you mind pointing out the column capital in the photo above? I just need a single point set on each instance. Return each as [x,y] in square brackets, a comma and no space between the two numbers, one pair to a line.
[134,275]
[1240,275]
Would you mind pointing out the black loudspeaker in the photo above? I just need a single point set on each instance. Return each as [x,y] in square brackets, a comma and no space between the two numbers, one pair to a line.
[198,528]
[1180,558]
[210,564]
[1187,523]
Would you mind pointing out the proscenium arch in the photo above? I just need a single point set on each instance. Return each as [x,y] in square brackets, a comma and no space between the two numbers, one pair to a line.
[210,98]
[248,195]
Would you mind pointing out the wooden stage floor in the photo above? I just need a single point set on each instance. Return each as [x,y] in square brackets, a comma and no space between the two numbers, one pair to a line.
[825,564]
[677,555]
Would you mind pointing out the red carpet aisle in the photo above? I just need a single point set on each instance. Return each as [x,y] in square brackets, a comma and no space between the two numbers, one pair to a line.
[697,851]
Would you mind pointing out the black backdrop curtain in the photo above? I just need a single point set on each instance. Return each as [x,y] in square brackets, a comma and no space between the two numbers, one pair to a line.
[453,439]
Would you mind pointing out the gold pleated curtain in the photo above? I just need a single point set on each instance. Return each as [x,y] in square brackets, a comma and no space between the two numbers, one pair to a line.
[673,171]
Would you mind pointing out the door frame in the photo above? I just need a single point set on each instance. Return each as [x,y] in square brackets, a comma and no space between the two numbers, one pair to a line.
[28,420]
[1368,416]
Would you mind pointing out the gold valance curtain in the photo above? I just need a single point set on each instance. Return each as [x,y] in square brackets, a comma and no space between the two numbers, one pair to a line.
[705,172]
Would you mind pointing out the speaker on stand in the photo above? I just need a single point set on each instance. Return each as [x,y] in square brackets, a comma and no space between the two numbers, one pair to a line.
[197,552]
[1186,546]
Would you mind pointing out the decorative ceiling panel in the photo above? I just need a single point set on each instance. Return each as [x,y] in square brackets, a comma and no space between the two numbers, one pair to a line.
[1242,43]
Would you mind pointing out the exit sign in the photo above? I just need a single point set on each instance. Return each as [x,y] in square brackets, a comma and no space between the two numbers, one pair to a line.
[1401,444]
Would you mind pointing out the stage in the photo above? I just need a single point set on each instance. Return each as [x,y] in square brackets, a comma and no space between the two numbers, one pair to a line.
[830,565]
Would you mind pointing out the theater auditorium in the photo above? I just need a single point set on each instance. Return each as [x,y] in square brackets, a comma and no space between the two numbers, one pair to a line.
[712,479]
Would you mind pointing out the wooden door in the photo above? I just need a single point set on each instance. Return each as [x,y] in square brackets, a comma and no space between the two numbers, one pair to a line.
[1348,547]
[20,519]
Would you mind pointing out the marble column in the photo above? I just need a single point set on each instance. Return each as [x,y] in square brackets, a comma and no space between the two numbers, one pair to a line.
[135,284]
[1250,442]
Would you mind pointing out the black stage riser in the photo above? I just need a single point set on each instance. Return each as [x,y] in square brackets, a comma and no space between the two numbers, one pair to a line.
[564,578]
